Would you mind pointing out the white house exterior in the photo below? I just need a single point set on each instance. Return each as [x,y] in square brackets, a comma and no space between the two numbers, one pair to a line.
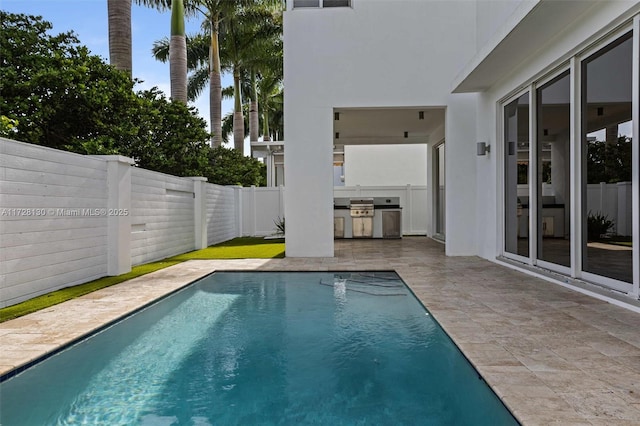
[544,84]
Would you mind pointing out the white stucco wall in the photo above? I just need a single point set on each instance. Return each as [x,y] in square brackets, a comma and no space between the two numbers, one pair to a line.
[376,165]
[376,54]
[460,171]
[488,228]
[492,15]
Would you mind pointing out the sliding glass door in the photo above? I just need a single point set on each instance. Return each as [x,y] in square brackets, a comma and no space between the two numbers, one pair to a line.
[516,176]
[553,175]
[571,167]
[606,151]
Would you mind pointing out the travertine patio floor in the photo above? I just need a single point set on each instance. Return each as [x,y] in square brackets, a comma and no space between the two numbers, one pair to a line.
[553,355]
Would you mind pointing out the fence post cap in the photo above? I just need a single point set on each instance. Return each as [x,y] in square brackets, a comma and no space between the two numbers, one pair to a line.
[118,158]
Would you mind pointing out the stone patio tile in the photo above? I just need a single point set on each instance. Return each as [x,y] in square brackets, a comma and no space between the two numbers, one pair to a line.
[629,362]
[615,348]
[631,337]
[508,374]
[543,409]
[568,381]
[488,354]
[545,360]
[613,422]
[601,404]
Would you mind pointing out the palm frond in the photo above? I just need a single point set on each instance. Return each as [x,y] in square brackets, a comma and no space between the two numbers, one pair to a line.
[160,49]
[197,82]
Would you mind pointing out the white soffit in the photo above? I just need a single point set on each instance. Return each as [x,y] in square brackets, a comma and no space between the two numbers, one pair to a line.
[531,27]
[386,125]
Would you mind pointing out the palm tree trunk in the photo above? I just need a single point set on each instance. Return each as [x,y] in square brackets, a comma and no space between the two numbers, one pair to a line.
[178,53]
[215,86]
[238,117]
[120,34]
[265,126]
[253,110]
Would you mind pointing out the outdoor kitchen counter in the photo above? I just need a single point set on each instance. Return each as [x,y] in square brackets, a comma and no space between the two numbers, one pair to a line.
[386,218]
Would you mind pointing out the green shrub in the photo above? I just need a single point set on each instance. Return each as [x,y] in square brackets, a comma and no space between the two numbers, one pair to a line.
[598,225]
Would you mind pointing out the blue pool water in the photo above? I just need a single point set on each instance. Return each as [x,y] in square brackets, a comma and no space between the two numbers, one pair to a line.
[262,349]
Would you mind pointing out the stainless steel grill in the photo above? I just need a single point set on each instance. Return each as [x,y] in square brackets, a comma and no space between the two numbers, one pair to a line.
[362,212]
[361,207]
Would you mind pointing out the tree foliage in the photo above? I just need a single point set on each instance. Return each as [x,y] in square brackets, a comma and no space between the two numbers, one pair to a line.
[230,167]
[609,163]
[53,92]
[59,93]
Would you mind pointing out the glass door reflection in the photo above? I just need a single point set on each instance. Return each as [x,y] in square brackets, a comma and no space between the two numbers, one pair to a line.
[516,176]
[440,192]
[606,161]
[554,171]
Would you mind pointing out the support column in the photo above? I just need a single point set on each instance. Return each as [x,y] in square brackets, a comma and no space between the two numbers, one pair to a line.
[239,210]
[408,211]
[118,213]
[200,211]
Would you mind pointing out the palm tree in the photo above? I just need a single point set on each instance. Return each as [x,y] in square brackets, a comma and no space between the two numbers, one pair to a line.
[211,53]
[229,124]
[268,65]
[120,40]
[266,59]
[208,69]
[247,37]
[119,12]
[178,53]
[119,15]
[220,12]
[270,95]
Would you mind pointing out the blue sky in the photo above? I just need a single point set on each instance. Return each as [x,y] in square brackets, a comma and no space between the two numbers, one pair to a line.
[88,19]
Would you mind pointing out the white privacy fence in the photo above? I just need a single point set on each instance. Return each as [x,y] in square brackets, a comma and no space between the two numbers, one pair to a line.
[66,218]
[162,215]
[614,201]
[261,207]
[50,234]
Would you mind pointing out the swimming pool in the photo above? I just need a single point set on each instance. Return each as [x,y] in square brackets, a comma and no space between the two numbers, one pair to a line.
[262,348]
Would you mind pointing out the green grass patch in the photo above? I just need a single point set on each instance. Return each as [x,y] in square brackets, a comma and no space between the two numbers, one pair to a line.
[239,248]
[59,296]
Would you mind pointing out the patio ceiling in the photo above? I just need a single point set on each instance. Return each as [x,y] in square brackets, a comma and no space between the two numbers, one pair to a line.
[374,126]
